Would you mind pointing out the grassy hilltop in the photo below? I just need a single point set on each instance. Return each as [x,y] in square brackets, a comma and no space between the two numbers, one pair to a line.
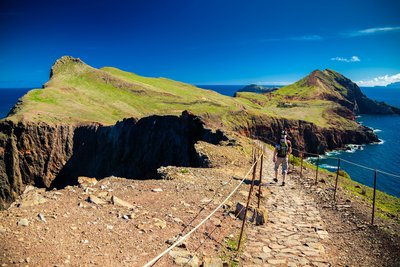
[77,92]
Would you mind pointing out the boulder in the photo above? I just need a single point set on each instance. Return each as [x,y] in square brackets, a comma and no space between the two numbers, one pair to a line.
[183,257]
[86,182]
[259,216]
[95,200]
[119,202]
[213,262]
[32,199]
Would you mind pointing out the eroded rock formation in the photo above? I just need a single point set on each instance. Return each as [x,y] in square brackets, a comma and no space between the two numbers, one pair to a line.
[55,155]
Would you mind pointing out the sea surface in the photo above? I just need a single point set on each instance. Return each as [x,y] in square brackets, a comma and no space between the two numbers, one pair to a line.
[384,156]
[228,90]
[8,98]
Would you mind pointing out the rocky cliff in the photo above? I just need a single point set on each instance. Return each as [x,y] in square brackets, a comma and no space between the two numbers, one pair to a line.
[305,135]
[55,155]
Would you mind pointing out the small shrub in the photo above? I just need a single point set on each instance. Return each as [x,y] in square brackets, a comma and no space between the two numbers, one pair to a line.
[344,174]
[295,160]
[184,171]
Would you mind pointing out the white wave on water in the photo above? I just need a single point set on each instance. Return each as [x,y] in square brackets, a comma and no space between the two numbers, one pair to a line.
[380,142]
[351,148]
[327,166]
[377,130]
[333,153]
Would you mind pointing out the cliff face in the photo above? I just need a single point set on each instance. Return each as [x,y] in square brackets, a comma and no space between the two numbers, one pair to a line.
[54,156]
[305,135]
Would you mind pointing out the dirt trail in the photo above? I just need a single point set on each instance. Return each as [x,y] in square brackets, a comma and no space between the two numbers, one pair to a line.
[88,226]
[307,228]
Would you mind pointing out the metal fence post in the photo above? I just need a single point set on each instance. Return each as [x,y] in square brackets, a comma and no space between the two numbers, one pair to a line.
[292,162]
[373,199]
[316,172]
[247,204]
[337,177]
[259,185]
[301,165]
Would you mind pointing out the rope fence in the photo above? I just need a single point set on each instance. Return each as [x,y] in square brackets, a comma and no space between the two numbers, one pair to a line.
[303,153]
[182,238]
[258,156]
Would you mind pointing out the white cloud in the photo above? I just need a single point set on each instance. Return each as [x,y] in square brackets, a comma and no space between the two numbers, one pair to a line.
[342,59]
[371,31]
[381,80]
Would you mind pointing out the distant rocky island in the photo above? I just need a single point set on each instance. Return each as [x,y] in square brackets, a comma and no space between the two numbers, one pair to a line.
[395,85]
[89,122]
[255,88]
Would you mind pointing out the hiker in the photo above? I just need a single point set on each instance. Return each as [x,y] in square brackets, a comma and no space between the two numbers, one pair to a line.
[283,148]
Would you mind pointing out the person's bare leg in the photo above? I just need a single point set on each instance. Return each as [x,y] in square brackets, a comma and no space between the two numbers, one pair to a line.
[283,178]
[276,167]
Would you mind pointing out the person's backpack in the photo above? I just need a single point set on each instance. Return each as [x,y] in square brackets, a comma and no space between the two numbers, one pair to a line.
[283,148]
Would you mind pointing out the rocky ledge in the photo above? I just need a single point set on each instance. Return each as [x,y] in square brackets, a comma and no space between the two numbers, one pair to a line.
[55,155]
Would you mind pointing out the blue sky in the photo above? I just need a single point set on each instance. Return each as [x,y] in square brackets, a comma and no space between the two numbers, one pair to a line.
[203,42]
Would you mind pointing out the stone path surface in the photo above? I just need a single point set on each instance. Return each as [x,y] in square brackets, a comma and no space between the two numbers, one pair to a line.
[294,234]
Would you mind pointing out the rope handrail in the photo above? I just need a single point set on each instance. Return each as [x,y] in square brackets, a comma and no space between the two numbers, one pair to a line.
[154,260]
[358,165]
[350,162]
[387,173]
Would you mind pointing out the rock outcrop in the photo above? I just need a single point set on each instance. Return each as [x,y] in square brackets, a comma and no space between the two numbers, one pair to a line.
[56,155]
[305,135]
[255,88]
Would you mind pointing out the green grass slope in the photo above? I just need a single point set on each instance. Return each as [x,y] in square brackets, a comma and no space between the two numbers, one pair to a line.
[79,93]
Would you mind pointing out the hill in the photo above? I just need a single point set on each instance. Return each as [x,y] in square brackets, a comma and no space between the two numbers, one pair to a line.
[77,92]
[394,85]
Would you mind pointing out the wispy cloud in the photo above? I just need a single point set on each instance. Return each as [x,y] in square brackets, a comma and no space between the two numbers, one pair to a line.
[342,59]
[381,80]
[296,38]
[372,31]
[306,38]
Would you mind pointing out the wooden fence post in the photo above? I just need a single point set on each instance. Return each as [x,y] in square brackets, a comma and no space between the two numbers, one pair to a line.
[247,204]
[259,185]
[337,177]
[316,172]
[373,200]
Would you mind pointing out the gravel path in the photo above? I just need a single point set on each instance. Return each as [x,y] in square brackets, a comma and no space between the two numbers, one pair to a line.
[294,234]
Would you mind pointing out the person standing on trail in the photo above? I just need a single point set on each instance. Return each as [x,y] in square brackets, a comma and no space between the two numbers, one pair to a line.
[283,148]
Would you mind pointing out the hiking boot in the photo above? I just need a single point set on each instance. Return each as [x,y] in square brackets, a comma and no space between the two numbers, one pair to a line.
[283,183]
[275,180]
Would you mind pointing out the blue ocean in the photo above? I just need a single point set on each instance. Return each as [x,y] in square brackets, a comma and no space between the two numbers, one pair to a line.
[384,156]
[8,98]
